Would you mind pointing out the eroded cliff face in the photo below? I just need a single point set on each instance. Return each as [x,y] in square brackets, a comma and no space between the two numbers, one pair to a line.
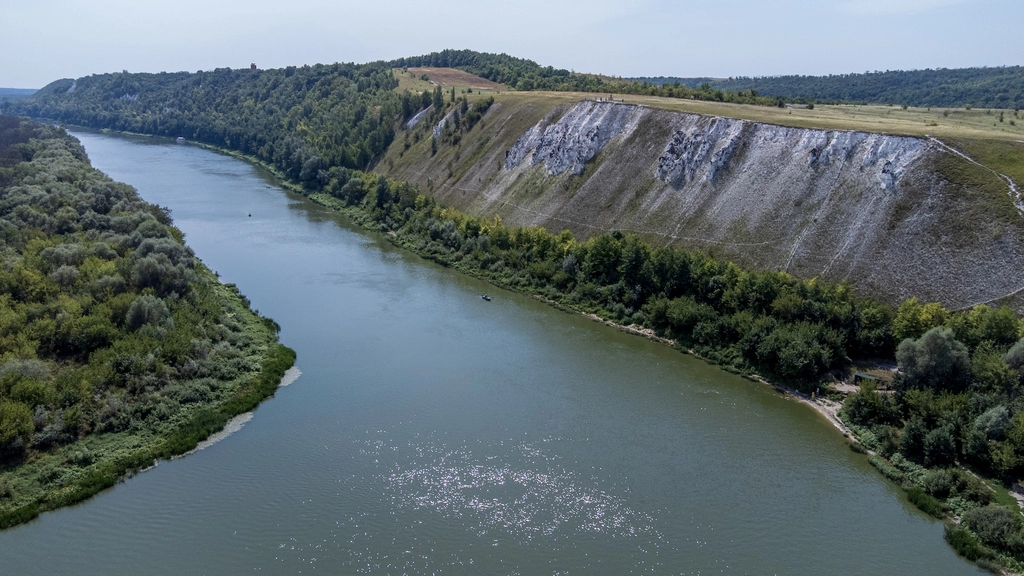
[870,209]
[575,138]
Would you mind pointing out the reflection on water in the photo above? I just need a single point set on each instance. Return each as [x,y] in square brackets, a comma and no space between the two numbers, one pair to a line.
[520,489]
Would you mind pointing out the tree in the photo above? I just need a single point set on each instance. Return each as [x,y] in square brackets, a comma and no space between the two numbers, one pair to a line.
[914,319]
[994,423]
[912,441]
[936,360]
[602,261]
[991,371]
[939,447]
[1015,357]
[384,195]
[997,526]
[146,309]
[15,426]
[867,407]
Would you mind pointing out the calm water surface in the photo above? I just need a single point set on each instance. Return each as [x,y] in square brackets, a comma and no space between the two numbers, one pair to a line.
[434,433]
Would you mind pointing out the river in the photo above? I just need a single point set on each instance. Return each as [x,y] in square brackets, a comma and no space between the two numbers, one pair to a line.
[432,432]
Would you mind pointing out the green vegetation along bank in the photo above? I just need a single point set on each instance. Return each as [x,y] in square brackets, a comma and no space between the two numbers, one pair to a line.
[798,332]
[117,346]
[951,416]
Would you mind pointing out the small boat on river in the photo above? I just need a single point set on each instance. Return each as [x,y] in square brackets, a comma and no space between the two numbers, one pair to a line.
[486,297]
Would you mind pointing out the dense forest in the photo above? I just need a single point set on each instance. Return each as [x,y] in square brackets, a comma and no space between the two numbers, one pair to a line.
[117,346]
[999,87]
[302,120]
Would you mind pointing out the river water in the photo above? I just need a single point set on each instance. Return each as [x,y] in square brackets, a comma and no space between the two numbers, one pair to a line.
[432,432]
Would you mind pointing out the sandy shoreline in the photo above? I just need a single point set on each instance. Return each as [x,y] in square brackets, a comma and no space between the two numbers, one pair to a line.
[235,424]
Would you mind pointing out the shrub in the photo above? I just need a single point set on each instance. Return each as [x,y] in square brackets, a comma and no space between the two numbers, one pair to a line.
[19,515]
[146,309]
[1015,357]
[939,483]
[994,422]
[16,426]
[887,470]
[65,275]
[971,488]
[965,544]
[867,407]
[888,439]
[939,447]
[912,440]
[928,504]
[996,526]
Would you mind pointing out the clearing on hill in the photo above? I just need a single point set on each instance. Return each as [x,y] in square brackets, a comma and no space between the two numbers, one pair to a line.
[453,77]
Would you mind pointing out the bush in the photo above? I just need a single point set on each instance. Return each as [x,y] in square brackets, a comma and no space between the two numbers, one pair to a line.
[887,470]
[867,407]
[939,447]
[888,439]
[965,544]
[939,483]
[996,526]
[146,309]
[912,441]
[994,422]
[928,504]
[972,489]
[65,275]
[17,516]
[1015,357]
[16,426]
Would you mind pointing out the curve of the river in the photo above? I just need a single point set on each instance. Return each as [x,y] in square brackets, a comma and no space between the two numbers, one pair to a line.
[432,432]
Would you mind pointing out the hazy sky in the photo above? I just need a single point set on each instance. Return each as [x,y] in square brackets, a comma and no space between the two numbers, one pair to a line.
[44,40]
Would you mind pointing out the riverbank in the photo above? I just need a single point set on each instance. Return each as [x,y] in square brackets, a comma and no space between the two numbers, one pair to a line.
[609,448]
[444,248]
[77,471]
[119,347]
[828,409]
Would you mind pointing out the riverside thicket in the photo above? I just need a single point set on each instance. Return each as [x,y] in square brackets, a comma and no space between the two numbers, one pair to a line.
[117,346]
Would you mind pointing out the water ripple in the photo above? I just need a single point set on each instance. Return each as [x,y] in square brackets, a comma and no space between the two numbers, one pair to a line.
[527,494]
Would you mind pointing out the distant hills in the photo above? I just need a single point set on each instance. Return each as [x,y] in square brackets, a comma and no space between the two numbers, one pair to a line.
[15,93]
[1000,87]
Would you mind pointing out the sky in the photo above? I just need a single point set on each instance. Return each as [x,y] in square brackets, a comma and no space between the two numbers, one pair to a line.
[45,40]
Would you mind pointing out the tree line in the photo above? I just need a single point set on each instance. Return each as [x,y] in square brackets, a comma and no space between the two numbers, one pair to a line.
[995,87]
[301,120]
[526,75]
